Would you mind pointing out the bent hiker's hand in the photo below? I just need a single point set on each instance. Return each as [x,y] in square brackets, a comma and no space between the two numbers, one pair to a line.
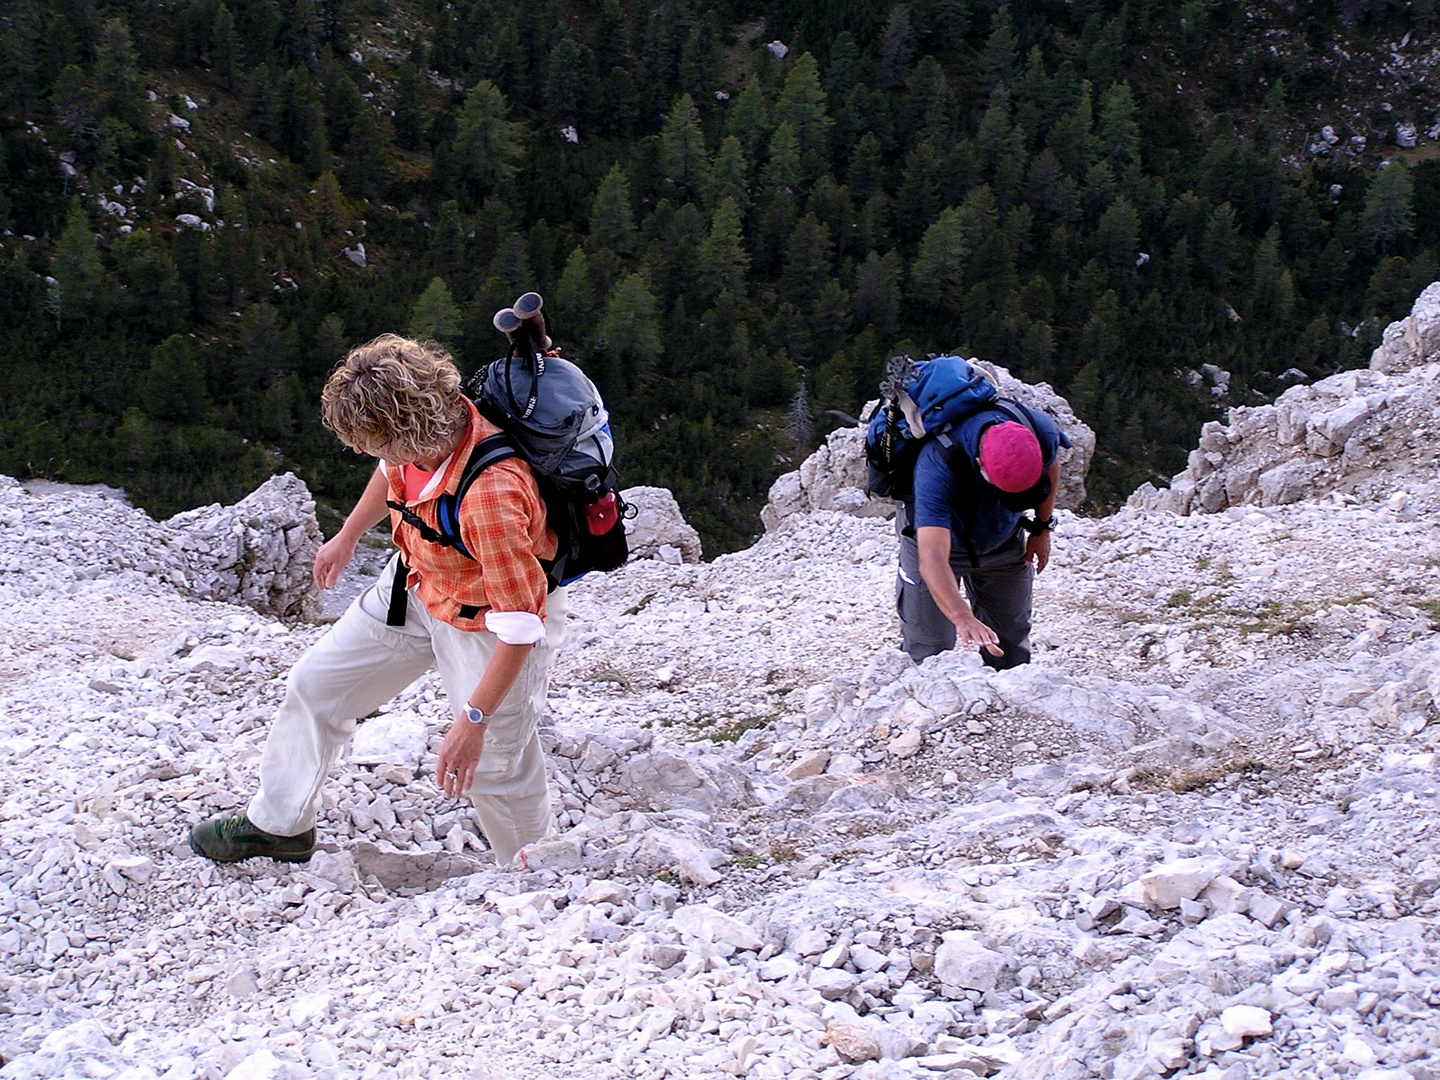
[971,632]
[459,756]
[1037,550]
[334,555]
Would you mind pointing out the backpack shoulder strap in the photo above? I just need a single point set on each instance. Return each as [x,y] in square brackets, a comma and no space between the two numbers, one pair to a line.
[487,452]
[1018,413]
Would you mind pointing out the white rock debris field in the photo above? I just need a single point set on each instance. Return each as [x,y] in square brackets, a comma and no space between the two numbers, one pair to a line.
[1197,837]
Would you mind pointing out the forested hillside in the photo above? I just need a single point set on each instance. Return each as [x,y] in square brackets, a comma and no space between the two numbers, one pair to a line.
[735,211]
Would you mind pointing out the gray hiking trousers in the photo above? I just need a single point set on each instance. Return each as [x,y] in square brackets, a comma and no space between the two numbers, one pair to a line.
[999,591]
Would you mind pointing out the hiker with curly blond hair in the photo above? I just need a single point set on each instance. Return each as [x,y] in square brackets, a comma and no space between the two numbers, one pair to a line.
[479,612]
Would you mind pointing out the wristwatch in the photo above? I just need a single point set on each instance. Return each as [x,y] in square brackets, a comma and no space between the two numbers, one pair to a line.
[1037,526]
[476,717]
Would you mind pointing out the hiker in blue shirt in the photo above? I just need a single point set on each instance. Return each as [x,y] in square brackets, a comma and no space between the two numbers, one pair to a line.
[966,526]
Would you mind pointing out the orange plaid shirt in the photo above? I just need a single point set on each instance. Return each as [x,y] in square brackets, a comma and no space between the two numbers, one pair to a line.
[502,522]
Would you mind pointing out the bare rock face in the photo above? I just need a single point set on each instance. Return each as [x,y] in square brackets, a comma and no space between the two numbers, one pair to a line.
[260,552]
[658,530]
[1361,433]
[833,478]
[1414,340]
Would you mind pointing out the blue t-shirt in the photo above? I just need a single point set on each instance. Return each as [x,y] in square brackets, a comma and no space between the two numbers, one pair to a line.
[938,495]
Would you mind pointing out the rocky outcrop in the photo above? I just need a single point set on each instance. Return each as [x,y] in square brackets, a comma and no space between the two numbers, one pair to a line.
[261,551]
[1414,340]
[1364,433]
[833,478]
[658,530]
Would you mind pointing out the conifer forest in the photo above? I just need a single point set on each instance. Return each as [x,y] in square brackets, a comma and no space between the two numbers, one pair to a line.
[736,212]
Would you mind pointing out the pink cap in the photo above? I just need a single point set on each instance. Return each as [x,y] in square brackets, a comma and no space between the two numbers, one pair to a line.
[1011,456]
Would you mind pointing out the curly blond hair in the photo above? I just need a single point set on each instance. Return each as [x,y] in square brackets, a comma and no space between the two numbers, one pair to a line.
[398,392]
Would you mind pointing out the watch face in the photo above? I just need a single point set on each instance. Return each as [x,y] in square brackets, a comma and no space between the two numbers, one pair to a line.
[475,716]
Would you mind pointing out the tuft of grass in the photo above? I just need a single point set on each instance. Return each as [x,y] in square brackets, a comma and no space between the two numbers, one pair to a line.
[640,605]
[746,862]
[731,730]
[1180,598]
[1186,780]
[1431,608]
[610,675]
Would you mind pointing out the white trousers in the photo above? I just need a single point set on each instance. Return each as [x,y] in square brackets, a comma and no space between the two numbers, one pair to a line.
[359,665]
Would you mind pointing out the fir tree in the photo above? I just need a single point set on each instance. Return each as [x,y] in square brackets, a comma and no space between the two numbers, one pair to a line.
[612,223]
[79,291]
[684,163]
[802,105]
[1389,212]
[436,316]
[487,144]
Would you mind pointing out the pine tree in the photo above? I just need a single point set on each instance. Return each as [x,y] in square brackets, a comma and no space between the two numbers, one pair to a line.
[612,222]
[877,291]
[302,121]
[684,163]
[80,288]
[897,48]
[631,332]
[224,48]
[174,387]
[702,60]
[117,75]
[363,169]
[566,90]
[998,63]
[802,105]
[729,176]
[867,167]
[938,276]
[749,119]
[807,263]
[152,297]
[1117,236]
[723,260]
[487,145]
[1117,132]
[930,104]
[799,424]
[1389,211]
[409,107]
[436,316]
[1070,137]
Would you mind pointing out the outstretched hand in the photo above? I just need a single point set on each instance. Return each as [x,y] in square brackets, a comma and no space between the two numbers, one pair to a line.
[973,633]
[334,555]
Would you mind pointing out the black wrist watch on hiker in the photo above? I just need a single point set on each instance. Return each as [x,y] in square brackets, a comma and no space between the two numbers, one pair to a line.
[1036,526]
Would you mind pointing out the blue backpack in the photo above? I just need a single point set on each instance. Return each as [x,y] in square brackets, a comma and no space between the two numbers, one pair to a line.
[919,400]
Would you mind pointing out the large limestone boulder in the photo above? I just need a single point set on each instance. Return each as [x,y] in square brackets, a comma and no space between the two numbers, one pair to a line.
[1414,340]
[658,530]
[260,552]
[833,477]
[1364,433]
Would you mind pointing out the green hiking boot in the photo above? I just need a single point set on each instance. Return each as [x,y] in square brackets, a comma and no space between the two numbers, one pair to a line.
[234,838]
